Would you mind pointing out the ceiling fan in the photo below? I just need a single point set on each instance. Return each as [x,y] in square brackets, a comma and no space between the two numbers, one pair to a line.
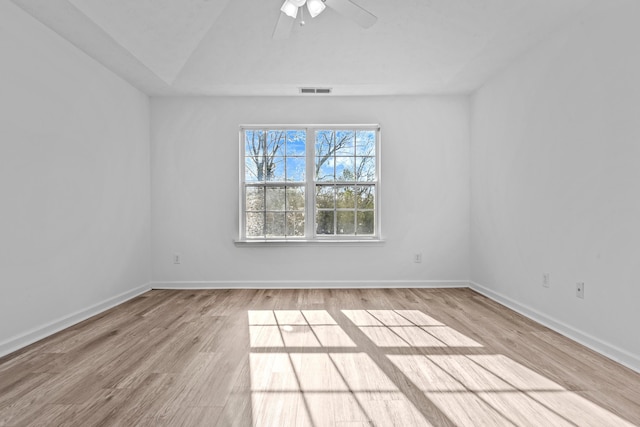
[289,12]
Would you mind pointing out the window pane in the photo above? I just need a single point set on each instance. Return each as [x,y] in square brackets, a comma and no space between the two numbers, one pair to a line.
[325,143]
[366,168]
[255,199]
[254,224]
[275,198]
[295,224]
[295,198]
[274,168]
[324,222]
[325,196]
[345,198]
[253,169]
[366,143]
[254,143]
[296,141]
[295,169]
[345,143]
[324,168]
[346,222]
[275,224]
[275,143]
[345,169]
[365,223]
[366,197]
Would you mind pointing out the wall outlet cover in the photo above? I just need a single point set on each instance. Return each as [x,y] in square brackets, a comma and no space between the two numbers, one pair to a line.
[580,290]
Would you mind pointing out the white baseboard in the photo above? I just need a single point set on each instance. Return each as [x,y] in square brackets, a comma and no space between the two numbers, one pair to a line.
[36,334]
[316,284]
[611,351]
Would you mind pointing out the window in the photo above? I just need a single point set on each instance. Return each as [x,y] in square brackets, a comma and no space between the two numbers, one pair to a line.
[309,183]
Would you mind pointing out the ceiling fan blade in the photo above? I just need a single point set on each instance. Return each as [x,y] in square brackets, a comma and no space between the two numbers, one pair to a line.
[283,27]
[351,10]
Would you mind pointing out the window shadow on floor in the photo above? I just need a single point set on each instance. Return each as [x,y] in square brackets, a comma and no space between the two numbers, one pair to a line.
[395,368]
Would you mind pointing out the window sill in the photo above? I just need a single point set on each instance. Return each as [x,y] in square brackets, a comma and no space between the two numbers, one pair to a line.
[307,242]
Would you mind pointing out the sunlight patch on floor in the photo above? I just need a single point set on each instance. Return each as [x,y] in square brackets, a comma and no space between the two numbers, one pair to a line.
[326,390]
[308,370]
[495,390]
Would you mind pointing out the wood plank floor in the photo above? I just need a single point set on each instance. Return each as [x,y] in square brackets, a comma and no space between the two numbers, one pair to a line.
[387,357]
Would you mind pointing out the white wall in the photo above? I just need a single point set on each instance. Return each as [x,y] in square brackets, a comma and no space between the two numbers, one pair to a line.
[74,183]
[556,181]
[425,192]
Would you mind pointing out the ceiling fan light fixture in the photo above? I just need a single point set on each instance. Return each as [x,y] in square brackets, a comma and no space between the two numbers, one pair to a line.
[315,7]
[289,9]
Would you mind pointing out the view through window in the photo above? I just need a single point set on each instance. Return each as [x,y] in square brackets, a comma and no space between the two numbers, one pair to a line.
[310,183]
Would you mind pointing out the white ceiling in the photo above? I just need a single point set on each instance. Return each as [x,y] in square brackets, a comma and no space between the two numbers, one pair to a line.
[224,47]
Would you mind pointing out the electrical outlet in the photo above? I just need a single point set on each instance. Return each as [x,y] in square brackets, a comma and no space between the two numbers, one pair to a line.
[417,258]
[177,258]
[580,290]
[546,280]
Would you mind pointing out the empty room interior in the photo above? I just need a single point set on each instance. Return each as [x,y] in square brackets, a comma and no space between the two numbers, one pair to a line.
[320,213]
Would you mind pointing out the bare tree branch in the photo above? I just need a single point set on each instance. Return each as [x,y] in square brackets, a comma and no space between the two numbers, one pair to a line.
[334,146]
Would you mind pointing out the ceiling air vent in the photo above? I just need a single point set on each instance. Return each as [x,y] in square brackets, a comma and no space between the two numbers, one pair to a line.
[315,90]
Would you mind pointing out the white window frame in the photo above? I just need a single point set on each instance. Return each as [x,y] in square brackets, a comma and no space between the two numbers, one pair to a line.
[310,187]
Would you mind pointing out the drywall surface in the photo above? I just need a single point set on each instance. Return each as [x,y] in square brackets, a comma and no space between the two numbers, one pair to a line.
[74,180]
[424,193]
[556,180]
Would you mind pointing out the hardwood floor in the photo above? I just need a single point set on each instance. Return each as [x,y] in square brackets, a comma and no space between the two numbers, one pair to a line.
[384,357]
